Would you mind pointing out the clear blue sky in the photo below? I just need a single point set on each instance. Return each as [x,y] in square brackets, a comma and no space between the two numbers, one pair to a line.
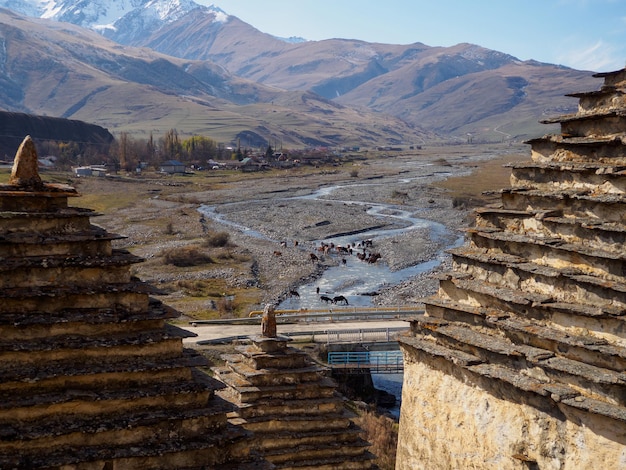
[583,34]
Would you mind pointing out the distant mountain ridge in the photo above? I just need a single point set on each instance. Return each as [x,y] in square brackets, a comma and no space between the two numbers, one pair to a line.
[49,68]
[16,126]
[460,90]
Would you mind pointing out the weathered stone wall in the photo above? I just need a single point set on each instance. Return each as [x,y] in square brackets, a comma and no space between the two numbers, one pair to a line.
[91,375]
[296,417]
[453,419]
[519,361]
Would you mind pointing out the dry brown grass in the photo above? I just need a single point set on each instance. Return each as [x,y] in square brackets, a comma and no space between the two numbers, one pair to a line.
[216,239]
[186,256]
[382,433]
[483,184]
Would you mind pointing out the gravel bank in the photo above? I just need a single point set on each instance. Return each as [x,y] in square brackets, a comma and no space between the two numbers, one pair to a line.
[284,225]
[299,224]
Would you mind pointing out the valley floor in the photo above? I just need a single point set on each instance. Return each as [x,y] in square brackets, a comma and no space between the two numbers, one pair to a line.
[165,215]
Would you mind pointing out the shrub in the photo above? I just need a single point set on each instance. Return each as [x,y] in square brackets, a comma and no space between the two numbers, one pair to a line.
[399,194]
[465,202]
[186,256]
[217,239]
[226,307]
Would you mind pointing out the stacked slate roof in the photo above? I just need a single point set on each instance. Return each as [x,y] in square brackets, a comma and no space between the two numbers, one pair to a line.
[91,374]
[534,310]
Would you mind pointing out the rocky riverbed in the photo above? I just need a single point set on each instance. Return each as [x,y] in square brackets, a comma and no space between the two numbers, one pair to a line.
[279,212]
[274,221]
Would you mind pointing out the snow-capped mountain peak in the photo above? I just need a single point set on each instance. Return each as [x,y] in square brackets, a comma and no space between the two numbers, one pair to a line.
[107,15]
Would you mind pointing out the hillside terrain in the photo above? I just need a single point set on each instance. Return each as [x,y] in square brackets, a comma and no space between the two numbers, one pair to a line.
[16,126]
[453,91]
[58,69]
[163,65]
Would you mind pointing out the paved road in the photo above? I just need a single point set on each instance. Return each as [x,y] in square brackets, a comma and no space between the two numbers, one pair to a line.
[211,332]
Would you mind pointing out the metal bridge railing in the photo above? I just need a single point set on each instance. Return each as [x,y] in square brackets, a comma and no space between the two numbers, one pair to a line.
[363,335]
[324,314]
[379,362]
[398,312]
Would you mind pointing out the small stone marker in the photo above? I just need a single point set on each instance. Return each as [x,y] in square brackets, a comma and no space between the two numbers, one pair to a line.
[25,170]
[268,322]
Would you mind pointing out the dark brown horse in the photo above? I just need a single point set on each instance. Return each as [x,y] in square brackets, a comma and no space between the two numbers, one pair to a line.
[326,299]
[340,298]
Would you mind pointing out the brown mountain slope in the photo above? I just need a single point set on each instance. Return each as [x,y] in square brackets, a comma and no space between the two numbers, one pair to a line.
[459,90]
[61,70]
[509,102]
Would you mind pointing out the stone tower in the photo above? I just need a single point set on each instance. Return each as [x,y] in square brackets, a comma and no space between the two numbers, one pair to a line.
[519,361]
[298,420]
[91,376]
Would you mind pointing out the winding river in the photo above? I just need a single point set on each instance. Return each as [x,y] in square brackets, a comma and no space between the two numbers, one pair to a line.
[354,278]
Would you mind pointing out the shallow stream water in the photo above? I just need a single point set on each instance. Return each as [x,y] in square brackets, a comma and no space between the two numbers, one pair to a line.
[356,280]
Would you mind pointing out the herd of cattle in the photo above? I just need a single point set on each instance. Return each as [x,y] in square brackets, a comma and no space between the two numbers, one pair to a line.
[361,249]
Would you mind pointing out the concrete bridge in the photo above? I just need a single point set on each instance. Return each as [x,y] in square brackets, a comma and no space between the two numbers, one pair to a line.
[331,325]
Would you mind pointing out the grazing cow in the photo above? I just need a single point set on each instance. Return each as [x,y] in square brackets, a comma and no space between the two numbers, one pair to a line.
[313,257]
[326,299]
[340,298]
[373,258]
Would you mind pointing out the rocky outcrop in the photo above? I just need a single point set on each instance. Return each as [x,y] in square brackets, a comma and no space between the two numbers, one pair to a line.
[91,376]
[520,359]
[43,128]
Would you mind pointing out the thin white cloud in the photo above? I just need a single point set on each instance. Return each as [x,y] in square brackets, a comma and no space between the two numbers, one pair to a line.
[598,57]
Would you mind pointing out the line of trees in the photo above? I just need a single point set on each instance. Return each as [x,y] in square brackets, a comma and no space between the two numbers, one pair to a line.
[195,150]
[127,152]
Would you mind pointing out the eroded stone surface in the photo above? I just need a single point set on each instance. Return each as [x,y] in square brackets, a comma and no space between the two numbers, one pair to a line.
[293,409]
[25,170]
[519,361]
[91,376]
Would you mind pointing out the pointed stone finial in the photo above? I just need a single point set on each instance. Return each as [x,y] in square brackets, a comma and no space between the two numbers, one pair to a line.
[25,170]
[268,322]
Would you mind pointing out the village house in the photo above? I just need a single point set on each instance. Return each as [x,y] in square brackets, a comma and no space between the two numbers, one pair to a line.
[172,167]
